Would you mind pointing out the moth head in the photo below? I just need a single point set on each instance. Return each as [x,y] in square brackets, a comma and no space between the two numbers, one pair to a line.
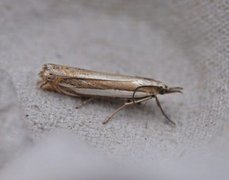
[47,73]
[164,89]
[48,76]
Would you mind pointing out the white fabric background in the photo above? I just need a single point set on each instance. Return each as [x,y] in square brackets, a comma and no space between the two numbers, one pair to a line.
[180,42]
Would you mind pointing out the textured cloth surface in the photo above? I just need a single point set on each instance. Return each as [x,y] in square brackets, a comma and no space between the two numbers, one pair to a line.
[180,42]
[13,131]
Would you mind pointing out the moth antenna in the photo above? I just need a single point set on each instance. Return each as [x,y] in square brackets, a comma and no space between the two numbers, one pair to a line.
[135,91]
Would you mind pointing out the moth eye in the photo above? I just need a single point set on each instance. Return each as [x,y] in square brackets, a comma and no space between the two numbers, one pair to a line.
[162,91]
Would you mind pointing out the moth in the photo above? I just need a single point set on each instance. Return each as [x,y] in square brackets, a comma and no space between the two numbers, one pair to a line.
[91,84]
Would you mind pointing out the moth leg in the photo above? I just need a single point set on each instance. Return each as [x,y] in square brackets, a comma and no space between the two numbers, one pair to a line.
[125,105]
[83,102]
[169,121]
[42,84]
[65,91]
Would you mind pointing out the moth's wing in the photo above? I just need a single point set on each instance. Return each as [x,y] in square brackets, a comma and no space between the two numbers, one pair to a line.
[103,88]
